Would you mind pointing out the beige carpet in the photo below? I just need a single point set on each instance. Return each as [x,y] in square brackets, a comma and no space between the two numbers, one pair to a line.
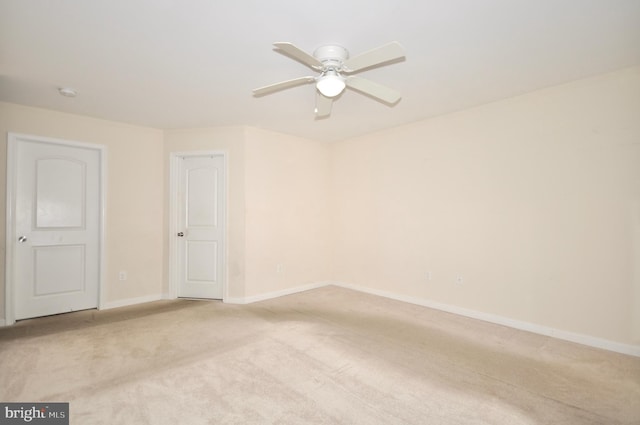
[327,356]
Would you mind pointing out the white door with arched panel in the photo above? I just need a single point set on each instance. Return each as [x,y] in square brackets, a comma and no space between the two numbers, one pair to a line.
[199,226]
[54,235]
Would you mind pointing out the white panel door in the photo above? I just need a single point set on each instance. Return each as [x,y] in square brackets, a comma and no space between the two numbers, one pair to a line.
[201,221]
[56,251]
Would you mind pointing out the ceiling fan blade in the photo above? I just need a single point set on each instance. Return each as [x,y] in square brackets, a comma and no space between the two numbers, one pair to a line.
[261,91]
[323,105]
[372,89]
[299,55]
[377,56]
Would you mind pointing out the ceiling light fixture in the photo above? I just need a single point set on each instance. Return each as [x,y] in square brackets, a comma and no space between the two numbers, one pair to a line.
[67,92]
[330,83]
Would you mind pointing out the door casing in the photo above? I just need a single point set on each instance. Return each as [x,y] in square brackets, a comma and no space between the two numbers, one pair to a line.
[174,225]
[13,139]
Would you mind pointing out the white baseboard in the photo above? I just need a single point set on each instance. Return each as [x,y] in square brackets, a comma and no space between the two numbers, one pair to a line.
[131,301]
[588,340]
[275,294]
[591,341]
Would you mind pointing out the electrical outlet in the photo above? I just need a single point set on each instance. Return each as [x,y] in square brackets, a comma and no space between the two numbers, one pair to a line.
[279,268]
[428,276]
[459,280]
[122,275]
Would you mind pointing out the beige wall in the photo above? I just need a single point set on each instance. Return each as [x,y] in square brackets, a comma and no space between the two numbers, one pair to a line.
[287,216]
[135,209]
[231,141]
[534,201]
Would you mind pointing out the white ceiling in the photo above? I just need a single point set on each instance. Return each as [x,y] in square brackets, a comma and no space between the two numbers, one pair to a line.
[193,63]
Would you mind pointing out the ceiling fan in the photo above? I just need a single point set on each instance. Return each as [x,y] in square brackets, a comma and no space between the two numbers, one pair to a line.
[335,68]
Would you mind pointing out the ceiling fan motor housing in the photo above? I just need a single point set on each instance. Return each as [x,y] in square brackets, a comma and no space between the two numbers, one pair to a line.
[331,56]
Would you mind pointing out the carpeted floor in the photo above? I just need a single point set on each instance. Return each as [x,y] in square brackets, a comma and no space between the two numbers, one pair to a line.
[327,356]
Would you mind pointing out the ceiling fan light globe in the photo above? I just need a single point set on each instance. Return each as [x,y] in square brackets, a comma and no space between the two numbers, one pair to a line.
[330,85]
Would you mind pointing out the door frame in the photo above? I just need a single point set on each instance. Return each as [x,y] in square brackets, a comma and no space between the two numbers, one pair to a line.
[174,226]
[13,139]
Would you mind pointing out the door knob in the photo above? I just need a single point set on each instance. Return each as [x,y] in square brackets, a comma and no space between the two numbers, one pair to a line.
[181,234]
[22,239]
